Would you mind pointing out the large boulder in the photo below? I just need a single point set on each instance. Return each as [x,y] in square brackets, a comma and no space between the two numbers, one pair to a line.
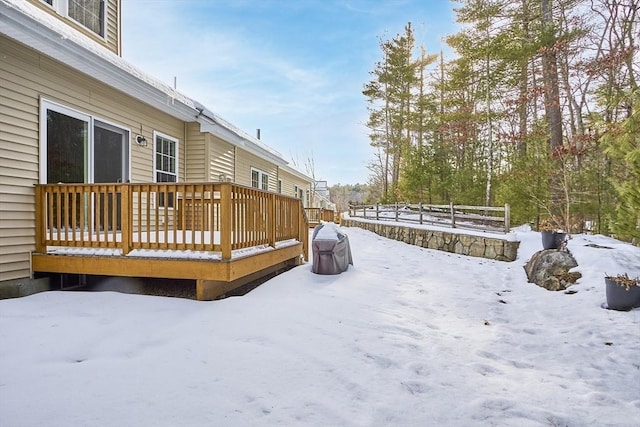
[550,269]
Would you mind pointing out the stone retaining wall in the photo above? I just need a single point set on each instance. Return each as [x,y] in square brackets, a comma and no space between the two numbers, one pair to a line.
[463,244]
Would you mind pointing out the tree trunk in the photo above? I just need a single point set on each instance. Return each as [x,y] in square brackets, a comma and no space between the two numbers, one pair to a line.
[552,105]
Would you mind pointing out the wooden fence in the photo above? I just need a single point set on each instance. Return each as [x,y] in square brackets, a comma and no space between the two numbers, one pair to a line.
[218,217]
[489,218]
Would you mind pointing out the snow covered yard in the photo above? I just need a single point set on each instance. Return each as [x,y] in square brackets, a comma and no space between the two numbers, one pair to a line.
[406,337]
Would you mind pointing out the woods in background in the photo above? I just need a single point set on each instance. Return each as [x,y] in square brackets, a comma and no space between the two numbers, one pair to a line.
[539,109]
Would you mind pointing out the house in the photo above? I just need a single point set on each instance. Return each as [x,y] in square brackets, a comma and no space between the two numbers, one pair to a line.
[322,195]
[75,116]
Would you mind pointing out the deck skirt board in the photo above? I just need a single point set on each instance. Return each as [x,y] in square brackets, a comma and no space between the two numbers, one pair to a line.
[202,270]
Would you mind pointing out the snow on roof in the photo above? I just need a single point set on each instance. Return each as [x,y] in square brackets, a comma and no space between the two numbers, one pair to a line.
[236,130]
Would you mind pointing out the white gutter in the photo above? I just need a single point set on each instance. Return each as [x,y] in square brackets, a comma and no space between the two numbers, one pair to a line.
[297,173]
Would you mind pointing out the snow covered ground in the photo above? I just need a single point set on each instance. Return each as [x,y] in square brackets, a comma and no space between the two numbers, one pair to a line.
[406,337]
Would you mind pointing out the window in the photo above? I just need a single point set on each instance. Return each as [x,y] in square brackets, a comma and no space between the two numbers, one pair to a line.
[88,13]
[259,179]
[165,164]
[280,186]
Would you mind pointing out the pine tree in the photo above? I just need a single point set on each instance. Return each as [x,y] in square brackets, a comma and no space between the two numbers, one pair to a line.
[389,96]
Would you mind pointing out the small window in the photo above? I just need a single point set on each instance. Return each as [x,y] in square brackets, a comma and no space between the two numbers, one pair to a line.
[88,13]
[259,179]
[280,186]
[165,164]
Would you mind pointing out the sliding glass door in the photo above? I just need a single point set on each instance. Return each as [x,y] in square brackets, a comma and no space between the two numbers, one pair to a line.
[77,148]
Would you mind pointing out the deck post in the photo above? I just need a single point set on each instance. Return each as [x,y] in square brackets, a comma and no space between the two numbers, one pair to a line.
[273,220]
[226,212]
[41,247]
[303,232]
[126,205]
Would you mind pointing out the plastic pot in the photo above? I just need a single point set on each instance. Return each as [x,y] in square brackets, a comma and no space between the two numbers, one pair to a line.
[619,298]
[552,239]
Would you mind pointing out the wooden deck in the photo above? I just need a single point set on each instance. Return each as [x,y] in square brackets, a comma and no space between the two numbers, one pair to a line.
[220,235]
[317,215]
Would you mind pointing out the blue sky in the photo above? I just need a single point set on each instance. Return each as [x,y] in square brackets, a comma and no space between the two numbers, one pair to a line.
[295,69]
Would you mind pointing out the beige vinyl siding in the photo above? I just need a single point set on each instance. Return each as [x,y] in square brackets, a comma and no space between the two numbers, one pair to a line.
[112,30]
[222,159]
[245,161]
[27,76]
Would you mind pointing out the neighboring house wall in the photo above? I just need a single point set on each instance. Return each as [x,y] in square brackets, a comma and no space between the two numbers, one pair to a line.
[26,77]
[245,161]
[196,154]
[112,31]
[289,183]
[208,156]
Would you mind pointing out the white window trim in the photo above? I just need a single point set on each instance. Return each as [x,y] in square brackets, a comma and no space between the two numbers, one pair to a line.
[45,105]
[261,174]
[61,7]
[170,138]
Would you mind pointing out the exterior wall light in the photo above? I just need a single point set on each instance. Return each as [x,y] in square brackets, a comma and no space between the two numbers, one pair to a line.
[141,140]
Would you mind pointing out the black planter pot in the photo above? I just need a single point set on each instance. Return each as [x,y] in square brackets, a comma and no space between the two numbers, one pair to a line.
[552,239]
[619,298]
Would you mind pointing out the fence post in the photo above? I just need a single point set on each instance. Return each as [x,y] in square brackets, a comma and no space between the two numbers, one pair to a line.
[396,207]
[420,208]
[507,218]
[453,215]
[377,211]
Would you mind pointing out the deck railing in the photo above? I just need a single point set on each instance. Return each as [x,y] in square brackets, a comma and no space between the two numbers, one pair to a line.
[317,215]
[217,217]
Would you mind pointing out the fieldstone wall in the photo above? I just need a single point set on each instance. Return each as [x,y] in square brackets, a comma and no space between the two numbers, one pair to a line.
[463,244]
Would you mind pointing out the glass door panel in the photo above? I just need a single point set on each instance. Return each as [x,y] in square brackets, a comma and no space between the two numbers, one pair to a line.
[67,148]
[110,165]
[67,143]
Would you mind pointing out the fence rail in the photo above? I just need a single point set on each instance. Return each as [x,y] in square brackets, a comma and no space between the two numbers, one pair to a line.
[489,218]
[218,217]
